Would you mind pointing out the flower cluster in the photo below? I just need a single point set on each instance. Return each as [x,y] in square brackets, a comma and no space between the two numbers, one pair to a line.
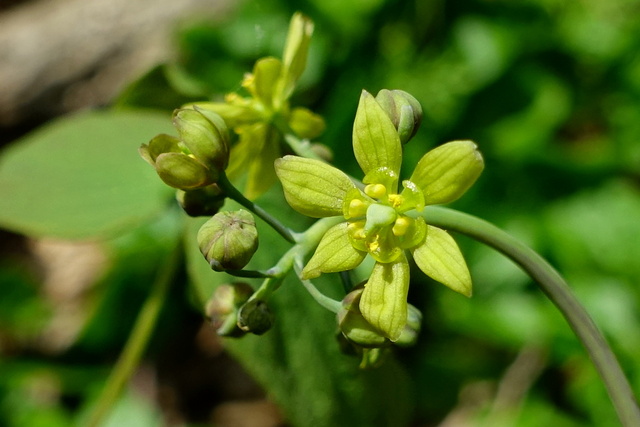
[381,219]
[261,119]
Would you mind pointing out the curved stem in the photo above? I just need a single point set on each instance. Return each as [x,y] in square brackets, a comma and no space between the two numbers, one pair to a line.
[232,192]
[137,342]
[559,292]
[325,301]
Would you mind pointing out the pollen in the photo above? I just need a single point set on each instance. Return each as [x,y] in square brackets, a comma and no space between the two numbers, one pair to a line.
[376,191]
[395,200]
[356,230]
[401,226]
[357,208]
[373,246]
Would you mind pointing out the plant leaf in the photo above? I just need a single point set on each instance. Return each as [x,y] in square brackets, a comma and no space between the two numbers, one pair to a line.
[82,177]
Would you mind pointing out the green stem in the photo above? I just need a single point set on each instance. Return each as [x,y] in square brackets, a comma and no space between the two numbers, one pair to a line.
[325,301]
[559,292]
[132,353]
[232,192]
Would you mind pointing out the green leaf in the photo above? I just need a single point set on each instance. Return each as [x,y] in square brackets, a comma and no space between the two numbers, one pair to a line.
[447,171]
[384,300]
[312,187]
[440,258]
[376,143]
[298,361]
[82,177]
[335,253]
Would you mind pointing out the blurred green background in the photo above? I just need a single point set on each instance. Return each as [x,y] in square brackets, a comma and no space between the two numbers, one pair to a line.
[549,90]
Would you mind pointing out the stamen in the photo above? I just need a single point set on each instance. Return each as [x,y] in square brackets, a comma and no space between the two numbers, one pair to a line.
[401,226]
[357,208]
[375,190]
[395,200]
[373,246]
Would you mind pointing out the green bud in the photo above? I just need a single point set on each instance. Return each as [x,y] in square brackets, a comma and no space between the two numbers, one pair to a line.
[409,334]
[353,325]
[205,201]
[255,317]
[204,135]
[404,111]
[222,308]
[228,240]
[373,357]
[197,157]
[174,167]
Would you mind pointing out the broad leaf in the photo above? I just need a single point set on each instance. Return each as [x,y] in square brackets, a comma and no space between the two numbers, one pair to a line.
[82,177]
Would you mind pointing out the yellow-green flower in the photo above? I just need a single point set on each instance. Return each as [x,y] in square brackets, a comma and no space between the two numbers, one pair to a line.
[376,218]
[260,119]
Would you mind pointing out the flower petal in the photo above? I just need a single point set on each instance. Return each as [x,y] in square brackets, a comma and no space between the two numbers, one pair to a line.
[440,258]
[312,187]
[334,253]
[262,174]
[266,73]
[447,171]
[384,300]
[295,53]
[376,143]
[305,123]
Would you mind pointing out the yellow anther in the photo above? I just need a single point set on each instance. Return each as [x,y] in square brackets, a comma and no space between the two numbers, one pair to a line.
[376,191]
[357,208]
[373,246]
[230,97]
[395,200]
[248,80]
[401,226]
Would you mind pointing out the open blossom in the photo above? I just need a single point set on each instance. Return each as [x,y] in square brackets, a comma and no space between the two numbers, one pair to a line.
[261,119]
[380,219]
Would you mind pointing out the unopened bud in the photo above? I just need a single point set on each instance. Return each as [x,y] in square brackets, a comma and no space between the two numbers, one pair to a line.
[228,240]
[205,201]
[205,135]
[197,157]
[255,317]
[404,111]
[353,325]
[409,334]
[222,308]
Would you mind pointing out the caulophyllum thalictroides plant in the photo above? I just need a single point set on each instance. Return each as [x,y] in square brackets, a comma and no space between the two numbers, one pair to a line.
[243,140]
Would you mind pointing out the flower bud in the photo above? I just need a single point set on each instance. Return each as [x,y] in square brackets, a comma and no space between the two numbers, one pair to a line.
[195,159]
[404,111]
[255,317]
[228,240]
[222,308]
[373,357]
[205,201]
[409,334]
[205,135]
[353,325]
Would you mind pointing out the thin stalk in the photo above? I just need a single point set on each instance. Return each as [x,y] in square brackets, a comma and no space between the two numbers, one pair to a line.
[325,301]
[559,292]
[233,193]
[137,342]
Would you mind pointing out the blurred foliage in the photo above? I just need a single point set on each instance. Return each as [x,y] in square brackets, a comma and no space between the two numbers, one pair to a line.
[550,91]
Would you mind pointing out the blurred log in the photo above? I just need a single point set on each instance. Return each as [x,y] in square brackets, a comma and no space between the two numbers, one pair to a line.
[61,55]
